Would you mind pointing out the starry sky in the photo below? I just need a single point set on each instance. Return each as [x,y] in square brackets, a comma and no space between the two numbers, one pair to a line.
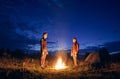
[95,24]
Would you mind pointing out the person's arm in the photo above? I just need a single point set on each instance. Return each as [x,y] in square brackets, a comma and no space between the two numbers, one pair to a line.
[77,48]
[71,53]
[72,50]
[46,48]
[42,46]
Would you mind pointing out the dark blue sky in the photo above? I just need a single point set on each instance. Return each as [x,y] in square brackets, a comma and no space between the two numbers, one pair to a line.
[95,23]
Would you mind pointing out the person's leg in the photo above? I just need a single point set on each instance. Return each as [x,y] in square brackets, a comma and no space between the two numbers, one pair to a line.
[75,60]
[42,61]
[44,58]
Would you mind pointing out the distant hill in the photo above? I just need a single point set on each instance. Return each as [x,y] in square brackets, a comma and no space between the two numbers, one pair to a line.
[116,57]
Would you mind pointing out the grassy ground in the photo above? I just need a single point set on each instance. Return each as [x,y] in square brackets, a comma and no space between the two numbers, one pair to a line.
[30,69]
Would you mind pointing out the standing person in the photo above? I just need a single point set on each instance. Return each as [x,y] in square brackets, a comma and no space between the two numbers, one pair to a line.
[74,51]
[44,50]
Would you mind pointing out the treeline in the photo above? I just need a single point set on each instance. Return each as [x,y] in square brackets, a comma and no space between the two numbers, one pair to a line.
[17,53]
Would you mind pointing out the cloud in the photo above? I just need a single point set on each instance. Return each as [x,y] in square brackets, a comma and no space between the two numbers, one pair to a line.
[22,23]
[10,38]
[112,46]
[21,35]
[58,3]
[51,46]
[50,42]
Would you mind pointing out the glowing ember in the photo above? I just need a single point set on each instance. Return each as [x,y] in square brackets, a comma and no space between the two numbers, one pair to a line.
[60,64]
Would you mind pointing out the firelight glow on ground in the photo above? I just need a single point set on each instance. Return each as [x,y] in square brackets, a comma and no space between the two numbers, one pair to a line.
[60,64]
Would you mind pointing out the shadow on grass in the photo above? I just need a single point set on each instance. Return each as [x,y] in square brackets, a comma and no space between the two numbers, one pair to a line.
[46,74]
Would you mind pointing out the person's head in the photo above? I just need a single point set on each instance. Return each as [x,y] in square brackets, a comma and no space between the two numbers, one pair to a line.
[45,35]
[74,40]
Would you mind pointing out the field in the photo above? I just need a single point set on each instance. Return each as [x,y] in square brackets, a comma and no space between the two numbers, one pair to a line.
[30,69]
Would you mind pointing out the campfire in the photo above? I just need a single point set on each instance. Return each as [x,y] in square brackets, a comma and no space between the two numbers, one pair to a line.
[60,64]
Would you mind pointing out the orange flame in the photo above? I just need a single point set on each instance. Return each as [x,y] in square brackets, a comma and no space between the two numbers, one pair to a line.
[60,64]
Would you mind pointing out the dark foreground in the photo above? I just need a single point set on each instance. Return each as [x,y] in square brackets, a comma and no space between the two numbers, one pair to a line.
[47,74]
[15,69]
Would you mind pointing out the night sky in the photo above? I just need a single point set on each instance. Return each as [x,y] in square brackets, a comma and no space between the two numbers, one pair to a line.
[95,23]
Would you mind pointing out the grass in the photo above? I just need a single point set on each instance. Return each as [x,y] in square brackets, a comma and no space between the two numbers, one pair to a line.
[14,69]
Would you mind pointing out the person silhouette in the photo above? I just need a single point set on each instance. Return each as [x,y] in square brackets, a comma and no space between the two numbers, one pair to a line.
[74,51]
[44,50]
